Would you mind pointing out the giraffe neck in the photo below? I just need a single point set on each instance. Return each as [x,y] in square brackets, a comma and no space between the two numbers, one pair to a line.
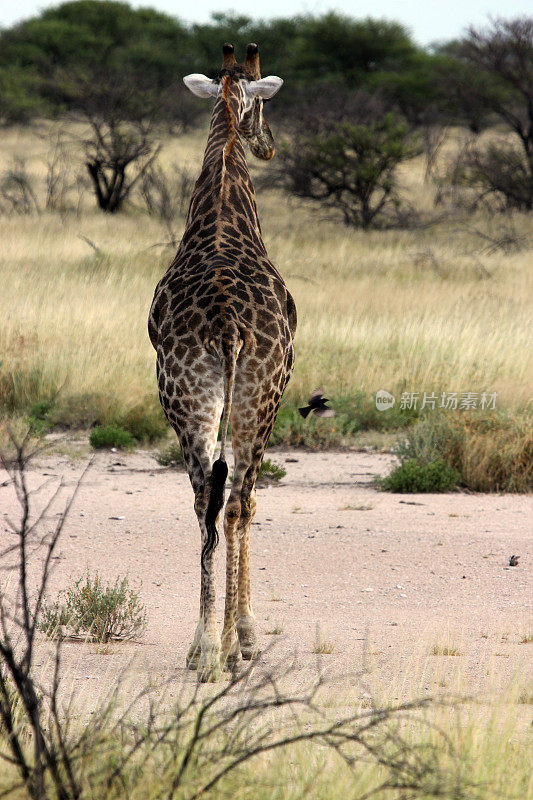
[224,191]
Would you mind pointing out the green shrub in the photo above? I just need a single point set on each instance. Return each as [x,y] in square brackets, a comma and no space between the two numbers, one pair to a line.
[41,409]
[270,471]
[411,476]
[103,436]
[39,416]
[171,456]
[433,438]
[146,422]
[95,610]
[491,452]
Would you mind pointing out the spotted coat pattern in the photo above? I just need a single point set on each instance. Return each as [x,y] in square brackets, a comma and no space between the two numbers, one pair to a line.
[222,303]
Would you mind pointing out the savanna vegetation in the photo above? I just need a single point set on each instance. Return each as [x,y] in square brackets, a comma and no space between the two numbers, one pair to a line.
[436,308]
[397,210]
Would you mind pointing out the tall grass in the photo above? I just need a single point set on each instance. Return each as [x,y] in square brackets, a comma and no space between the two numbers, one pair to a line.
[454,748]
[415,310]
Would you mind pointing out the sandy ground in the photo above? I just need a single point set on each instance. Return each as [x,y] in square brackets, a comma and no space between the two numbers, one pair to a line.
[385,578]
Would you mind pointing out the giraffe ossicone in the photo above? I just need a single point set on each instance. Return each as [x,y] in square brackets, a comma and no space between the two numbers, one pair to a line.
[222,323]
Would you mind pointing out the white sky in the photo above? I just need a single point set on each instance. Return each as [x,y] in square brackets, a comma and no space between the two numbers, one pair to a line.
[429,20]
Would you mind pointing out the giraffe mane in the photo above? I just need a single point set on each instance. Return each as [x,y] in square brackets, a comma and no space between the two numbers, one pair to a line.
[232,130]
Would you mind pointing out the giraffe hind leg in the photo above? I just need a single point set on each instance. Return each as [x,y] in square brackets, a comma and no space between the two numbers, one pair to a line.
[239,637]
[245,616]
[198,450]
[251,427]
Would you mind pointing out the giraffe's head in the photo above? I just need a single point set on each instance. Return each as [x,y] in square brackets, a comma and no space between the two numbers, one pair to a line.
[243,90]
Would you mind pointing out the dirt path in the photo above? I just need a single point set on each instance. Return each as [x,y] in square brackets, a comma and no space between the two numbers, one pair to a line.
[386,578]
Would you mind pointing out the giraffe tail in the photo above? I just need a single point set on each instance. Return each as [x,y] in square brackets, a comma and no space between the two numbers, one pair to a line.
[230,345]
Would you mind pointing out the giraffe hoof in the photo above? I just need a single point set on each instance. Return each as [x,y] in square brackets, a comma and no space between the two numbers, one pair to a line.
[247,637]
[209,666]
[193,657]
[234,663]
[208,674]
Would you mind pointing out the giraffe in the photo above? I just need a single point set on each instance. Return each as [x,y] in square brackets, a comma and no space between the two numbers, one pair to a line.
[222,323]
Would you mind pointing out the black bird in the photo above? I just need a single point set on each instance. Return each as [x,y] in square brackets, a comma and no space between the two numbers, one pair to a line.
[317,403]
[513,561]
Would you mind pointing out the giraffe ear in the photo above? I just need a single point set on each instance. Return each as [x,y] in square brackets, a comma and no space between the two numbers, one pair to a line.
[201,85]
[265,87]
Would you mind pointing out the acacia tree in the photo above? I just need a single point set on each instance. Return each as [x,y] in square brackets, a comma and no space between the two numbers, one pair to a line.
[501,57]
[117,148]
[119,145]
[349,165]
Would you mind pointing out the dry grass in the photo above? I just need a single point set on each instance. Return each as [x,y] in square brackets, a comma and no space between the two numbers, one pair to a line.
[471,748]
[358,507]
[276,630]
[445,650]
[323,644]
[400,310]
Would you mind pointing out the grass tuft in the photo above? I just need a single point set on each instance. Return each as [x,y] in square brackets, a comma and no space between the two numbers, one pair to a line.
[323,646]
[276,630]
[39,416]
[445,650]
